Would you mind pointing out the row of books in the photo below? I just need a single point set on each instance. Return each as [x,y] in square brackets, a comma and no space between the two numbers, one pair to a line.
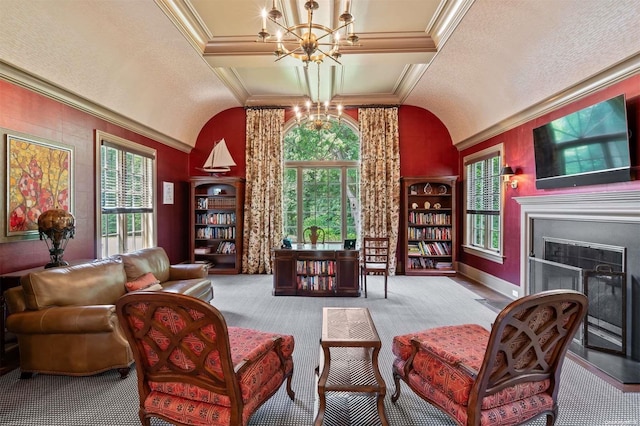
[203,203]
[430,218]
[317,283]
[316,267]
[435,248]
[216,233]
[439,233]
[425,263]
[216,219]
[225,247]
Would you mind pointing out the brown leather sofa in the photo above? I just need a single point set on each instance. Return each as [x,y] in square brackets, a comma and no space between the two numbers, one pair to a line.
[65,317]
[185,278]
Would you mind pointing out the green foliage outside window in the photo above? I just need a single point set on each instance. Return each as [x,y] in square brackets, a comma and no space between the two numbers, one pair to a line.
[321,181]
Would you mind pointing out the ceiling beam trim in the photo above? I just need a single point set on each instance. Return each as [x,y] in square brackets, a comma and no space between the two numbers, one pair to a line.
[378,42]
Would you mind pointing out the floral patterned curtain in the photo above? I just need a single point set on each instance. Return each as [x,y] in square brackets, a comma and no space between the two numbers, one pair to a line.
[263,193]
[380,176]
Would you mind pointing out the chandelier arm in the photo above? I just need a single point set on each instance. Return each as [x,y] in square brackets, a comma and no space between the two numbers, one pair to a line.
[333,31]
[328,56]
[288,53]
[288,30]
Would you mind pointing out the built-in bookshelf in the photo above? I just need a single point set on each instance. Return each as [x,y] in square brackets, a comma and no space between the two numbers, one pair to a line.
[217,205]
[429,225]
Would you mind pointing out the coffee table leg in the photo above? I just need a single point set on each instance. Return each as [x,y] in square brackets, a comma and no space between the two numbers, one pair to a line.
[322,381]
[382,391]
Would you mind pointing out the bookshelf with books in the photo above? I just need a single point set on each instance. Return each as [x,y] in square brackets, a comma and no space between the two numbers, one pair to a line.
[217,205]
[316,270]
[429,225]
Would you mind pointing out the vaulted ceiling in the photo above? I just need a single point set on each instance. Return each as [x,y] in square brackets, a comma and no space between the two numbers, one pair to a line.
[165,67]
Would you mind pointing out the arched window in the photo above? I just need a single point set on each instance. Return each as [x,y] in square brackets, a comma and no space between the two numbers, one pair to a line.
[321,181]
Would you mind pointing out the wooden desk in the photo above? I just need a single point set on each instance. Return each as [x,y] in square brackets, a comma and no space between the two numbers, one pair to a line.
[316,270]
[349,357]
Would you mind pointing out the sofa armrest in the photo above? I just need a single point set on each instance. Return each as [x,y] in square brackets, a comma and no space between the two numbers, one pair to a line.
[65,319]
[186,271]
[15,300]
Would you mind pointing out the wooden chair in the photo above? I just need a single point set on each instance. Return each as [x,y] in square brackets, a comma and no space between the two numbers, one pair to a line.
[193,369]
[374,260]
[507,376]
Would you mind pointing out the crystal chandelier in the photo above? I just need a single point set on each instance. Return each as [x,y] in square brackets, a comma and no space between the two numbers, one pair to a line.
[315,43]
[318,117]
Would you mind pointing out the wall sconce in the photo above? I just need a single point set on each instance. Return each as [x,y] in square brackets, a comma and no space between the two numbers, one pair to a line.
[506,173]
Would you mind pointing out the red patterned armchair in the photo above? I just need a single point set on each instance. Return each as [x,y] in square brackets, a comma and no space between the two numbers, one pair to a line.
[194,370]
[507,376]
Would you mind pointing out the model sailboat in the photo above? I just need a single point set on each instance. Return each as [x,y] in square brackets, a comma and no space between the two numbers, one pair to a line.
[219,160]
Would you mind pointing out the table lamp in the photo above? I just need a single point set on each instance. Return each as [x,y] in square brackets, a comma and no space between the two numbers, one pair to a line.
[56,227]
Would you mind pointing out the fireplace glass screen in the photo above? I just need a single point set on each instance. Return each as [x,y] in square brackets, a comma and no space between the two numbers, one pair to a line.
[605,326]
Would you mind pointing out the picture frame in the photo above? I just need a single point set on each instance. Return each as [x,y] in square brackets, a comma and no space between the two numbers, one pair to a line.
[167,192]
[39,177]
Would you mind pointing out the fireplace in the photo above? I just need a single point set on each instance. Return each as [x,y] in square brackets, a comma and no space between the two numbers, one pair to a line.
[591,243]
[597,270]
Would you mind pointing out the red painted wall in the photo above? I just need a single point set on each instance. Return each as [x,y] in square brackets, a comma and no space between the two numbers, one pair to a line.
[28,112]
[230,125]
[518,145]
[425,144]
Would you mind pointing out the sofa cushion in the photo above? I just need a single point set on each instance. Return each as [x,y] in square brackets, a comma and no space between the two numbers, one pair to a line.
[153,259]
[143,281]
[95,283]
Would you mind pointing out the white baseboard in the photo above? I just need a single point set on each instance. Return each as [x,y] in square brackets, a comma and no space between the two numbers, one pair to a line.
[497,284]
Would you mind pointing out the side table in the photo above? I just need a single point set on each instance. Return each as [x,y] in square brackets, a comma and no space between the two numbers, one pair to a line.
[349,357]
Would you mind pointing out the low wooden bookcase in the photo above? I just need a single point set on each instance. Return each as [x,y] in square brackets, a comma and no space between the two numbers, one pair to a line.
[316,270]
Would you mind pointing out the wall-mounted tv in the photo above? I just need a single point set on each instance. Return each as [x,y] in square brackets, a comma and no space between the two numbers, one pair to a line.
[587,147]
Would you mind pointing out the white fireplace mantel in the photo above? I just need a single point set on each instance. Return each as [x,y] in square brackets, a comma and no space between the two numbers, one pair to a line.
[621,206]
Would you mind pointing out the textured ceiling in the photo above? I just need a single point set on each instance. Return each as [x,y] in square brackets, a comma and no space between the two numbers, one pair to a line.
[170,65]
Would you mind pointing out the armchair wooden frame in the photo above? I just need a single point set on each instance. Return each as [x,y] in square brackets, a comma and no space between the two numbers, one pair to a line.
[179,359]
[527,343]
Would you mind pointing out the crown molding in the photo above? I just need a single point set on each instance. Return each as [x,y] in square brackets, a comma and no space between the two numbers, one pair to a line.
[187,20]
[28,81]
[608,77]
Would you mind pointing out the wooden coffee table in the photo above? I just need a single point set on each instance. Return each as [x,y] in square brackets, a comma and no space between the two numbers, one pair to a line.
[349,357]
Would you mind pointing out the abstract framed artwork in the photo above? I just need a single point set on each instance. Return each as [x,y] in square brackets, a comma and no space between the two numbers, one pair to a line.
[39,177]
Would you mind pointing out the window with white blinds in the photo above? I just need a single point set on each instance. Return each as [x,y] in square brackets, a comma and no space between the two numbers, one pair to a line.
[127,202]
[483,202]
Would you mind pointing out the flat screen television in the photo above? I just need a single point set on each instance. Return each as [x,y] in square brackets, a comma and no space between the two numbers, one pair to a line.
[587,147]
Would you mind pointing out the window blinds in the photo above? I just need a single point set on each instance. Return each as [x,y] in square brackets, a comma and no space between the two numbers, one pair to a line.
[483,186]
[127,185]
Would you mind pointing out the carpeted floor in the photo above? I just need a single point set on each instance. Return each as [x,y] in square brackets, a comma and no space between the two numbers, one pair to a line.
[414,303]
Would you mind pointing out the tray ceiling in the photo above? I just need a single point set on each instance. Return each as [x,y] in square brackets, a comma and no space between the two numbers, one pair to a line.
[168,66]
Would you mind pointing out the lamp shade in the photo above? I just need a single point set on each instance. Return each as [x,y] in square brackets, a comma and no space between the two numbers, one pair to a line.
[507,171]
[56,224]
